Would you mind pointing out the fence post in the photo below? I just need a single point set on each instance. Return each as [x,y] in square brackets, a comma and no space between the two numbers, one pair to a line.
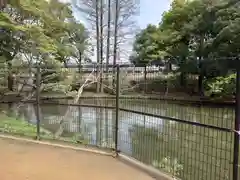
[236,128]
[145,79]
[38,79]
[117,109]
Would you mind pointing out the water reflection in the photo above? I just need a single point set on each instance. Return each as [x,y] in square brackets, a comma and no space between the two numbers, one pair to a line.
[97,125]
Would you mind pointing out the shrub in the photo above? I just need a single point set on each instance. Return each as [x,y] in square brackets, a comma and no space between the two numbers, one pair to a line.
[221,86]
[170,83]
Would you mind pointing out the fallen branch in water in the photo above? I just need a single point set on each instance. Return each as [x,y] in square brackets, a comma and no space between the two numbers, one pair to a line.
[76,100]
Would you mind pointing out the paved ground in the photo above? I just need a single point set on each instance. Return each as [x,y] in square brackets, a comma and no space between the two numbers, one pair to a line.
[24,161]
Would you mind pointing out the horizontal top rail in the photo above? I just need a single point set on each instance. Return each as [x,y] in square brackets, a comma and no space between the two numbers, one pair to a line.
[179,120]
[22,66]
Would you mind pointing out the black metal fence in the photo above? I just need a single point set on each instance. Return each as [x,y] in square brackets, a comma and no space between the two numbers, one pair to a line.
[183,136]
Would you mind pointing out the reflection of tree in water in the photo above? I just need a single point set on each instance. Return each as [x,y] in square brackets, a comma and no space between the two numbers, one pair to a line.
[75,126]
[22,112]
[191,152]
[50,116]
[58,110]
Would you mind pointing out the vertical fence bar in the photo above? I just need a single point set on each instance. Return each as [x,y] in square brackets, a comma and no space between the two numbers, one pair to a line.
[117,109]
[145,79]
[237,128]
[38,79]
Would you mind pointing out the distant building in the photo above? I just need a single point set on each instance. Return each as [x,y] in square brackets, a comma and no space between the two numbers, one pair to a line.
[157,63]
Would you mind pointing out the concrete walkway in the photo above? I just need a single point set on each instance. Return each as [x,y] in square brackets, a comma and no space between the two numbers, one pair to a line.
[26,161]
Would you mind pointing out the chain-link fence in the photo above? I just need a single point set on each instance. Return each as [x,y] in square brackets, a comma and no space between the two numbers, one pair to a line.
[136,111]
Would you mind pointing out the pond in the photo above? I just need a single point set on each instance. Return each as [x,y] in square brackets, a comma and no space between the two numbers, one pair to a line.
[183,150]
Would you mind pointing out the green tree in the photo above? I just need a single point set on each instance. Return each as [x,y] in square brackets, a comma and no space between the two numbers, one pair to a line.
[145,46]
[40,32]
[201,37]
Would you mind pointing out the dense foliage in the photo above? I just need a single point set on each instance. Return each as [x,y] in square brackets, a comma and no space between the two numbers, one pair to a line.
[201,37]
[40,32]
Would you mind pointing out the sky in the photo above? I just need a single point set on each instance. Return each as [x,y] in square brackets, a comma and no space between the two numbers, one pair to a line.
[151,11]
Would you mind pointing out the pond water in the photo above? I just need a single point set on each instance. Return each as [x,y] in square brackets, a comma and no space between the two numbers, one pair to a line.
[186,151]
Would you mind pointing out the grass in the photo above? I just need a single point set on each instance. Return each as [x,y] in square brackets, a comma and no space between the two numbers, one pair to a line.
[12,125]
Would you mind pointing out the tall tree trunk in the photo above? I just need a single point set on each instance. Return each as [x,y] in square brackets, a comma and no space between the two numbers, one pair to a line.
[115,40]
[108,39]
[97,41]
[79,62]
[183,75]
[101,45]
[200,77]
[107,66]
[10,77]
[3,4]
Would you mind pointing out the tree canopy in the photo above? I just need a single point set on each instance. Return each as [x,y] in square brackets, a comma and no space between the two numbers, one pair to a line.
[201,37]
[40,32]
[207,28]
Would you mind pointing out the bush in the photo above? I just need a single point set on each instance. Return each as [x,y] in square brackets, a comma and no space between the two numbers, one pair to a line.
[170,83]
[221,86]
